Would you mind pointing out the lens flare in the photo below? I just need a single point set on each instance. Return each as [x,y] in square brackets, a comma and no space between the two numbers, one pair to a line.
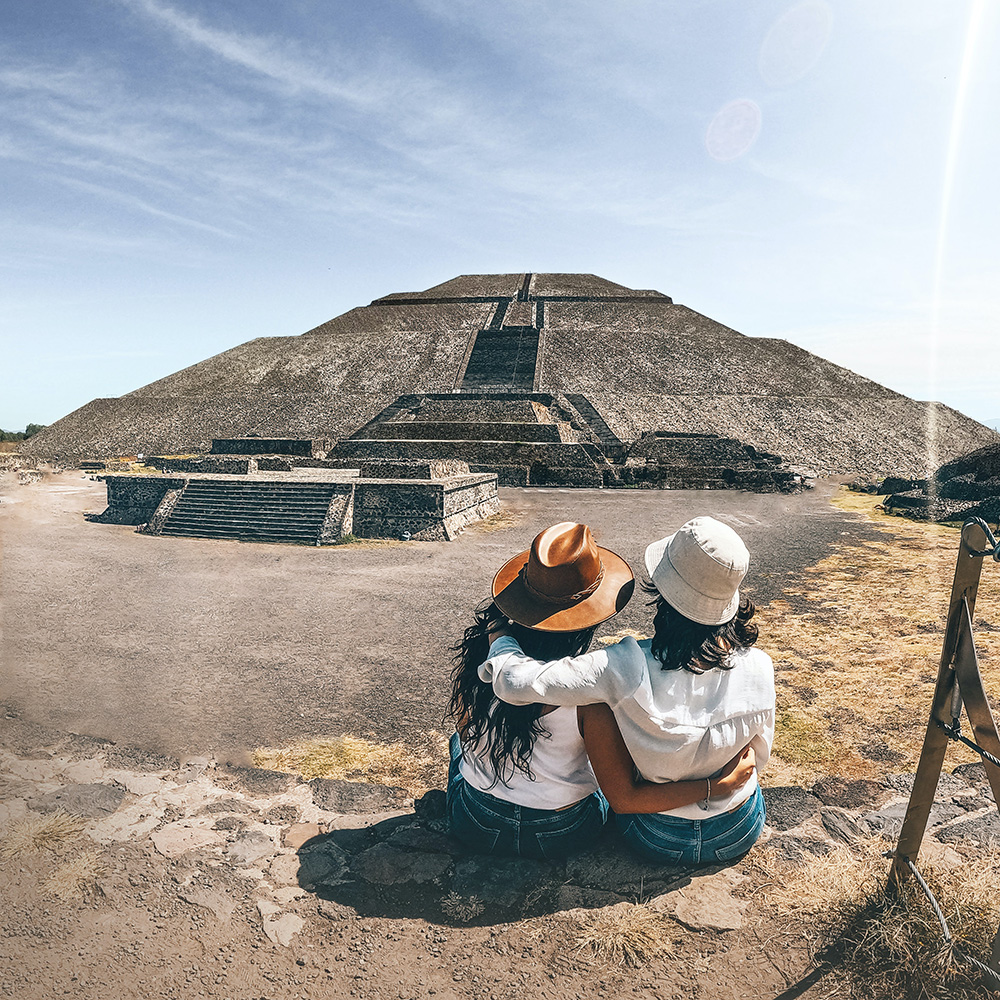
[972,32]
[794,43]
[733,130]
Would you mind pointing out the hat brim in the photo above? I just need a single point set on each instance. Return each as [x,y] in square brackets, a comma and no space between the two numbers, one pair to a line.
[513,599]
[682,596]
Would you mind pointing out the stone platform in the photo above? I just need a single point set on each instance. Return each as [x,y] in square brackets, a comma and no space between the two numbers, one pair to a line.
[420,501]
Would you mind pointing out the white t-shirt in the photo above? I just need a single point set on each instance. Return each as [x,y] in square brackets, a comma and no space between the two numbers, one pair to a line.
[676,724]
[559,764]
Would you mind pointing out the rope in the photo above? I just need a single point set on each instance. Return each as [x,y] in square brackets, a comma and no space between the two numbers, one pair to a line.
[993,550]
[954,734]
[991,974]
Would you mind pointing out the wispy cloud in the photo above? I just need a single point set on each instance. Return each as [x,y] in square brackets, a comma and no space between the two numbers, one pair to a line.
[135,203]
[269,57]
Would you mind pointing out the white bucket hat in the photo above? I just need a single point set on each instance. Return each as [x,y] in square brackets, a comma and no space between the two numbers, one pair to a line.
[698,570]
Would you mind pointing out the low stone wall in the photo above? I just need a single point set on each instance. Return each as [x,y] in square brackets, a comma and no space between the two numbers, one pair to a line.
[425,510]
[262,446]
[134,499]
[236,465]
[415,469]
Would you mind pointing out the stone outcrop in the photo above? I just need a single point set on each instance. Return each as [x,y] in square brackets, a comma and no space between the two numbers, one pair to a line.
[641,363]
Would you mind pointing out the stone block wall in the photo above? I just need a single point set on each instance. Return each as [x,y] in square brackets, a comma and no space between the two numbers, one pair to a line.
[224,465]
[415,469]
[469,431]
[422,510]
[262,446]
[490,453]
[134,499]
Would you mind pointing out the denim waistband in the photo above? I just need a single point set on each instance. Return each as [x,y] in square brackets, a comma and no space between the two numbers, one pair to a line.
[503,808]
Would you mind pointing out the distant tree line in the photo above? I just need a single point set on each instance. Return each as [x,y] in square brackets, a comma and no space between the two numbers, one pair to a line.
[21,435]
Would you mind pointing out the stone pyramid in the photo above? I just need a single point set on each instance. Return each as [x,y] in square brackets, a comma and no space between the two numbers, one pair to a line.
[633,364]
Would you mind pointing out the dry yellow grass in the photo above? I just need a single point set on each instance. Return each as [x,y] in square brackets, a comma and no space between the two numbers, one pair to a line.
[355,759]
[856,668]
[72,879]
[624,934]
[888,941]
[818,885]
[52,832]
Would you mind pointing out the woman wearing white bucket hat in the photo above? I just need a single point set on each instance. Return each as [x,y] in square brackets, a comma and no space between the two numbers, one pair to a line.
[520,781]
[678,705]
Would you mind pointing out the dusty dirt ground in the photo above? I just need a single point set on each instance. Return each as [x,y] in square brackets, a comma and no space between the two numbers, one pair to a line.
[208,646]
[190,883]
[206,651]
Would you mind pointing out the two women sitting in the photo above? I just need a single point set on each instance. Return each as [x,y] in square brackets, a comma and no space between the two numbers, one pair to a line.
[668,732]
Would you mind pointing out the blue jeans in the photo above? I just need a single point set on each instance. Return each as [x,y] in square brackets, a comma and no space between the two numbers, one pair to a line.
[488,825]
[674,840]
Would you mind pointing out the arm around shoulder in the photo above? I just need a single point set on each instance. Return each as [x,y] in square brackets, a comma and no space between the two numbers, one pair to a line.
[604,675]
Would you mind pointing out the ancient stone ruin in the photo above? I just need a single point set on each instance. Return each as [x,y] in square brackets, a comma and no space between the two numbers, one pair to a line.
[267,497]
[542,378]
[966,487]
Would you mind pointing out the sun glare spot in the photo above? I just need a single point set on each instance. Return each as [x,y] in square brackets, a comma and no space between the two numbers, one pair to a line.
[733,130]
[794,42]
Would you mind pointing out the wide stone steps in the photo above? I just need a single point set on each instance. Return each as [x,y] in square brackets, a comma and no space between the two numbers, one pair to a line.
[257,511]
[503,357]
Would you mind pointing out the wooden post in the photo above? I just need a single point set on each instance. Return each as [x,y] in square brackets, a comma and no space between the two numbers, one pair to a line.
[968,570]
[959,682]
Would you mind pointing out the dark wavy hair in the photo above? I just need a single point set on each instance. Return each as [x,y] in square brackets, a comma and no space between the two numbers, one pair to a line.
[679,643]
[508,731]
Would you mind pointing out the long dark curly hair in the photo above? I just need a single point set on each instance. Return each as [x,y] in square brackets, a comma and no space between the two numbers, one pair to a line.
[679,643]
[508,731]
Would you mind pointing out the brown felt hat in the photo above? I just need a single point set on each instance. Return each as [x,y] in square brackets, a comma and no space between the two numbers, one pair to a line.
[564,583]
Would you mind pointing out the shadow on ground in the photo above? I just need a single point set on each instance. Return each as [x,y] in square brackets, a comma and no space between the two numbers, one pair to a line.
[407,866]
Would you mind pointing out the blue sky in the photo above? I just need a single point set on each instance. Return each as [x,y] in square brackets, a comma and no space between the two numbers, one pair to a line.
[180,176]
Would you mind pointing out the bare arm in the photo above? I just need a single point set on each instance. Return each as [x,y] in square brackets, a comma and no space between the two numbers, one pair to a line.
[615,770]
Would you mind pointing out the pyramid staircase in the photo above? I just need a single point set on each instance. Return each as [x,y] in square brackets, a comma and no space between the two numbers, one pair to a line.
[540,439]
[496,421]
[527,439]
[251,510]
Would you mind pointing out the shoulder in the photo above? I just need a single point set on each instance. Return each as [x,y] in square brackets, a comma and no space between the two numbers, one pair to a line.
[752,668]
[751,658]
[627,655]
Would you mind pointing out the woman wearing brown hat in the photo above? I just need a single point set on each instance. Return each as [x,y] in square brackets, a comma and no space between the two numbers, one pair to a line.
[676,706]
[520,781]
